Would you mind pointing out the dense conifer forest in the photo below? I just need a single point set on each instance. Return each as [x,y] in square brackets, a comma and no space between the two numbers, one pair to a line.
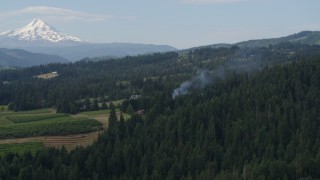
[255,117]
[147,74]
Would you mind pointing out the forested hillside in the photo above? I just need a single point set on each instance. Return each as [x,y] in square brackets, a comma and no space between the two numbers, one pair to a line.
[260,122]
[145,75]
[304,37]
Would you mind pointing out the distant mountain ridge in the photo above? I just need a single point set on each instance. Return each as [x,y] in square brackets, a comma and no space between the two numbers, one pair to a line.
[78,52]
[22,58]
[39,37]
[304,37]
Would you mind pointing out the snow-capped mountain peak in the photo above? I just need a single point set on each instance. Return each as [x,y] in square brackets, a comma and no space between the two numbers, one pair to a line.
[38,30]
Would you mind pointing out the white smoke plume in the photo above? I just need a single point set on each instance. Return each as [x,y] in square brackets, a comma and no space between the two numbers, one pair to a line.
[202,79]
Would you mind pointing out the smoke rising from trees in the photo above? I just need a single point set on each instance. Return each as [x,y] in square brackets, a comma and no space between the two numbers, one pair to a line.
[202,79]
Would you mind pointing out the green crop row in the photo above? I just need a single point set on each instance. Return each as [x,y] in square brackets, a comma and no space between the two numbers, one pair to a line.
[37,111]
[20,148]
[33,118]
[56,126]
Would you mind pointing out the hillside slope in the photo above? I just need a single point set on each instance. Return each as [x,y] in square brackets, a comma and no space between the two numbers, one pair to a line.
[91,50]
[304,37]
[243,125]
[147,74]
[22,58]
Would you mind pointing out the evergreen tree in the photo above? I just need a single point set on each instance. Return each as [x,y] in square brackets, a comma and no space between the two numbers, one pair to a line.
[130,109]
[112,116]
[95,105]
[104,106]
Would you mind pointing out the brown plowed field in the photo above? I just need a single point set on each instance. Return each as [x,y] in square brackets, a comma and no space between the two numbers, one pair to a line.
[70,141]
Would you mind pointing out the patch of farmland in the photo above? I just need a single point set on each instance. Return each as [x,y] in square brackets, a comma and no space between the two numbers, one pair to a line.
[56,126]
[20,148]
[33,118]
[51,129]
[70,142]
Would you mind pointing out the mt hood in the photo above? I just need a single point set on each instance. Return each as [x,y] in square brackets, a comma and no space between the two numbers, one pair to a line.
[35,32]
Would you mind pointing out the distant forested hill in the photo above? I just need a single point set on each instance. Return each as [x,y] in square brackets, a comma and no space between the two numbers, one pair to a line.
[146,74]
[304,37]
[21,58]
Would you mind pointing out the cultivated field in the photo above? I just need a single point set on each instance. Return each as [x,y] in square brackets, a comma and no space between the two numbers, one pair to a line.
[28,125]
[20,148]
[25,130]
[69,141]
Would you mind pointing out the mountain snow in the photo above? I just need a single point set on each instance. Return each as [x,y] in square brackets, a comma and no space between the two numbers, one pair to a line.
[38,30]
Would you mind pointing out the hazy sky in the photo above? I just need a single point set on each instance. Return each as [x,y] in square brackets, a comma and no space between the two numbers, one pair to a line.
[180,23]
